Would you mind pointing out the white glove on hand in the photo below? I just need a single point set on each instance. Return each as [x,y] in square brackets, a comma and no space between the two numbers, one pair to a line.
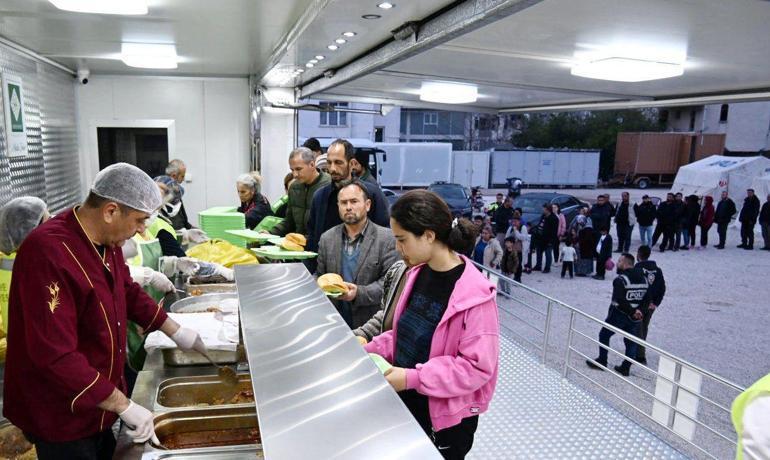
[193,235]
[171,265]
[140,275]
[187,339]
[160,282]
[140,422]
[226,273]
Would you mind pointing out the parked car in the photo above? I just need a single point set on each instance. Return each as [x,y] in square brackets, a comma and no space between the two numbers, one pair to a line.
[390,195]
[532,205]
[456,196]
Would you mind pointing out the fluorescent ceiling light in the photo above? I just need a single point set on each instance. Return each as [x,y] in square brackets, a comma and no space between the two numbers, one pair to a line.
[133,7]
[627,69]
[386,5]
[149,55]
[313,61]
[349,34]
[341,41]
[448,93]
[320,57]
[333,47]
[309,65]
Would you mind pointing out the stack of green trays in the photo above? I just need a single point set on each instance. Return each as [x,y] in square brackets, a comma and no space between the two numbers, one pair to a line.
[216,221]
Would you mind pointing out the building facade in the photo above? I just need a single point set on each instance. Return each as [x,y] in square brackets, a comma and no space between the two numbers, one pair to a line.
[348,125]
[746,125]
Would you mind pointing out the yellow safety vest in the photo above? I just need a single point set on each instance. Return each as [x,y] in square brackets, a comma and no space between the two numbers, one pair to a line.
[6,267]
[759,388]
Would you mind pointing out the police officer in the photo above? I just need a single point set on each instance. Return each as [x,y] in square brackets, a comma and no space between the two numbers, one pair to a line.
[655,294]
[629,296]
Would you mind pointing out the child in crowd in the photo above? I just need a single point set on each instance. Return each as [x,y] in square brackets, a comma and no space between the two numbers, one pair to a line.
[509,264]
[568,256]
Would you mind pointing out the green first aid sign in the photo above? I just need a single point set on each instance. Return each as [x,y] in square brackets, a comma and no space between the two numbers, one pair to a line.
[17,111]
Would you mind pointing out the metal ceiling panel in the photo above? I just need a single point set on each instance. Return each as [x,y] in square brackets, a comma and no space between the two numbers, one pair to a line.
[523,60]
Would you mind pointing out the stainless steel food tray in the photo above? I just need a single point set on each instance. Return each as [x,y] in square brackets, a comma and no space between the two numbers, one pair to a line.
[200,303]
[225,419]
[199,392]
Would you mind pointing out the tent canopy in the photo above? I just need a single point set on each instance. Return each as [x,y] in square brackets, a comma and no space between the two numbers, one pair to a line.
[712,175]
[761,186]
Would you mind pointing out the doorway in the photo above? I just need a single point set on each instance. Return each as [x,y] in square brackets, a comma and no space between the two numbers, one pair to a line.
[379,132]
[145,148]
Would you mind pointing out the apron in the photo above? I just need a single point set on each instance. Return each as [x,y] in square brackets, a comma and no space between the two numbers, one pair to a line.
[6,266]
[148,255]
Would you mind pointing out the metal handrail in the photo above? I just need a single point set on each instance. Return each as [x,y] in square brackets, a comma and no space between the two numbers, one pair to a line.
[634,338]
[569,350]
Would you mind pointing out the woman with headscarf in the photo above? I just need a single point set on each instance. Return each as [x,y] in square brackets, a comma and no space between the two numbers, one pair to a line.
[253,204]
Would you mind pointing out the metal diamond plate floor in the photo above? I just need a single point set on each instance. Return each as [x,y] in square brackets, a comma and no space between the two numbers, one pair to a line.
[539,415]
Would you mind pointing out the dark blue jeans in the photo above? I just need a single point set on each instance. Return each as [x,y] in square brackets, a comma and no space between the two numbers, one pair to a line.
[620,321]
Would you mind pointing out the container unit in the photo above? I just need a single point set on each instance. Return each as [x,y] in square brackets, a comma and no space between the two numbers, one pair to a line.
[645,159]
[543,167]
[470,168]
[414,164]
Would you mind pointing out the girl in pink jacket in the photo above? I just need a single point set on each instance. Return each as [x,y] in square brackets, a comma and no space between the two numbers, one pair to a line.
[444,344]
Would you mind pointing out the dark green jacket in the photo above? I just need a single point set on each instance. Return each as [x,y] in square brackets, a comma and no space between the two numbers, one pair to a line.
[298,206]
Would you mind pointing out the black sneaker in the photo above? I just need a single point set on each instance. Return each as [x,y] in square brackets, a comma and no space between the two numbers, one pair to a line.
[622,370]
[601,366]
[597,277]
[749,248]
[719,247]
[741,246]
[546,271]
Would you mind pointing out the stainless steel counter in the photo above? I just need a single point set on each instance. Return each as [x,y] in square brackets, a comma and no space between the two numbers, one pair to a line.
[318,394]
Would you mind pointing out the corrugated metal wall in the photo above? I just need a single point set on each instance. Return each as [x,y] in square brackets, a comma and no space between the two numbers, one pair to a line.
[50,169]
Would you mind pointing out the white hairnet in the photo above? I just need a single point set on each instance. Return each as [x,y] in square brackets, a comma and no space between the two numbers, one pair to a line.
[17,218]
[128,185]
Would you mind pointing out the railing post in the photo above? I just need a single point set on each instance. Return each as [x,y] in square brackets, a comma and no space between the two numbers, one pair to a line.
[546,331]
[569,343]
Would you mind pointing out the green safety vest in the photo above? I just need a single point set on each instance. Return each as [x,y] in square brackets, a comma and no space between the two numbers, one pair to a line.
[759,388]
[148,255]
[6,266]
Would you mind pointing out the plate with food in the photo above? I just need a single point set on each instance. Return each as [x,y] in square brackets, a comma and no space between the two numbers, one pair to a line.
[332,285]
[290,247]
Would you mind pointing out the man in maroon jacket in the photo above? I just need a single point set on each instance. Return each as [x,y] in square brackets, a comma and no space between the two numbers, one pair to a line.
[71,296]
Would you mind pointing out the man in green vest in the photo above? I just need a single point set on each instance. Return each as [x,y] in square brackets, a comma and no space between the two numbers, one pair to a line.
[751,417]
[308,179]
[17,218]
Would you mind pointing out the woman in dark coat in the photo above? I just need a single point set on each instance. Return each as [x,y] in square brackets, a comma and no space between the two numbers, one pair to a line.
[691,215]
[253,204]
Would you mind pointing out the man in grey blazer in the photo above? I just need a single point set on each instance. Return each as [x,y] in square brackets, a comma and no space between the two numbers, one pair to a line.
[358,250]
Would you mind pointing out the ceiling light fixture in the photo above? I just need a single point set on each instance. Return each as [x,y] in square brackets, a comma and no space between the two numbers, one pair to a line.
[333,47]
[313,61]
[448,92]
[385,5]
[320,58]
[627,69]
[349,34]
[309,65]
[128,7]
[149,55]
[300,70]
[340,41]
[371,16]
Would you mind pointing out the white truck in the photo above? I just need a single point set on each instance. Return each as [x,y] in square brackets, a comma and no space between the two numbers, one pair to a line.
[413,164]
[545,167]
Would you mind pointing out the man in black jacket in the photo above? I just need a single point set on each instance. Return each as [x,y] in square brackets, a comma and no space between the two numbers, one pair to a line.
[601,213]
[748,218]
[548,228]
[645,217]
[324,213]
[502,218]
[666,219]
[722,216]
[629,296]
[624,222]
[603,252]
[764,222]
[680,219]
[656,291]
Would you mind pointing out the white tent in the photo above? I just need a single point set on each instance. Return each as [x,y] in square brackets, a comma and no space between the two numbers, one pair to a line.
[712,175]
[761,186]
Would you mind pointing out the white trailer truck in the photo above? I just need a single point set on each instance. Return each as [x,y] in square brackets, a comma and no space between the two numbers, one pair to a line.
[545,167]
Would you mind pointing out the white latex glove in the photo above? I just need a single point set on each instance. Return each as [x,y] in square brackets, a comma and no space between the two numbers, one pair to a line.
[139,274]
[226,273]
[187,339]
[193,235]
[171,265]
[140,422]
[160,282]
